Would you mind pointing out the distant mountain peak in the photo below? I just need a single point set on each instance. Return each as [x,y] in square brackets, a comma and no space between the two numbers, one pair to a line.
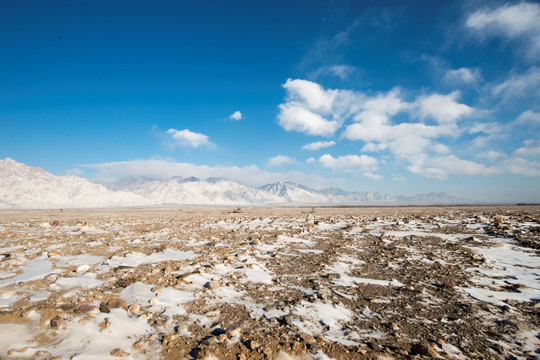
[23,186]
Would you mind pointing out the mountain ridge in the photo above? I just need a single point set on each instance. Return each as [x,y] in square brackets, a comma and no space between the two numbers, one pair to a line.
[22,186]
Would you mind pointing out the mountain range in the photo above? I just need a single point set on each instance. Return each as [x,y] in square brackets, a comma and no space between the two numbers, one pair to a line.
[22,186]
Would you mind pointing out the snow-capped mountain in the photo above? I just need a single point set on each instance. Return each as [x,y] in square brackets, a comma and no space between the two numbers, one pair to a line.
[213,191]
[338,195]
[292,192]
[22,186]
[31,187]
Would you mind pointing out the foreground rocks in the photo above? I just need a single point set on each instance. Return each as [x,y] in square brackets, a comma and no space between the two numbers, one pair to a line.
[338,283]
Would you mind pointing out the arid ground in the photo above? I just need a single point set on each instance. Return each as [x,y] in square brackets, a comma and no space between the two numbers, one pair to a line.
[271,283]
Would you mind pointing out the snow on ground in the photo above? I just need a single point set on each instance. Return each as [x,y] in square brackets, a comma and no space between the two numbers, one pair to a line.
[334,284]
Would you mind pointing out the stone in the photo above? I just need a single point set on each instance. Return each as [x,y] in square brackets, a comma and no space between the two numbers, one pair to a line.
[213,285]
[56,321]
[54,253]
[85,308]
[448,285]
[288,319]
[117,303]
[333,276]
[253,344]
[134,308]
[423,349]
[104,308]
[119,353]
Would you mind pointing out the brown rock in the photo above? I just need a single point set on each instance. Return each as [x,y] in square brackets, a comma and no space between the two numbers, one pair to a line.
[119,353]
[448,285]
[423,349]
[213,285]
[117,303]
[104,308]
[54,253]
[56,321]
[133,308]
[85,308]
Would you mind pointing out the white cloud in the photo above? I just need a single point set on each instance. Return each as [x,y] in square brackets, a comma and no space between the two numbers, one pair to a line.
[166,168]
[398,177]
[342,71]
[311,160]
[374,147]
[310,93]
[442,166]
[442,108]
[75,171]
[318,145]
[462,76]
[520,166]
[528,118]
[187,138]
[511,21]
[491,155]
[280,160]
[531,149]
[362,163]
[372,176]
[237,115]
[517,86]
[296,118]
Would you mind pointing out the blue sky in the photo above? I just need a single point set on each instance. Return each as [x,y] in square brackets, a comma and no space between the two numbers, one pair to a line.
[389,96]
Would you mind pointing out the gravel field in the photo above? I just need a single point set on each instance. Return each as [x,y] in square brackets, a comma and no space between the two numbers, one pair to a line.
[271,283]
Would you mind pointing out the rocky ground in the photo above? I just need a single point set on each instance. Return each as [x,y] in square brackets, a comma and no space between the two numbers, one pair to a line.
[264,283]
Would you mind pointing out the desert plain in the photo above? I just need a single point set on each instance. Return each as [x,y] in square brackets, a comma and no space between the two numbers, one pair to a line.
[271,283]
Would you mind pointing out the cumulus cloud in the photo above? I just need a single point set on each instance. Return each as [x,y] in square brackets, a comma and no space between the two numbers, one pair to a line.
[417,137]
[318,145]
[311,160]
[519,85]
[510,21]
[491,155]
[167,168]
[280,160]
[442,108]
[528,117]
[296,118]
[462,76]
[237,115]
[531,149]
[440,167]
[349,163]
[372,176]
[310,109]
[187,138]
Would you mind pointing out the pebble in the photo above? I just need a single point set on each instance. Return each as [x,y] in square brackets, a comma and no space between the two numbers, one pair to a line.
[213,285]
[117,303]
[134,308]
[85,308]
[54,253]
[119,353]
[104,308]
[423,349]
[56,321]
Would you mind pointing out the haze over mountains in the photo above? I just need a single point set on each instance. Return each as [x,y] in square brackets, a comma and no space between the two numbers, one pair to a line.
[22,186]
